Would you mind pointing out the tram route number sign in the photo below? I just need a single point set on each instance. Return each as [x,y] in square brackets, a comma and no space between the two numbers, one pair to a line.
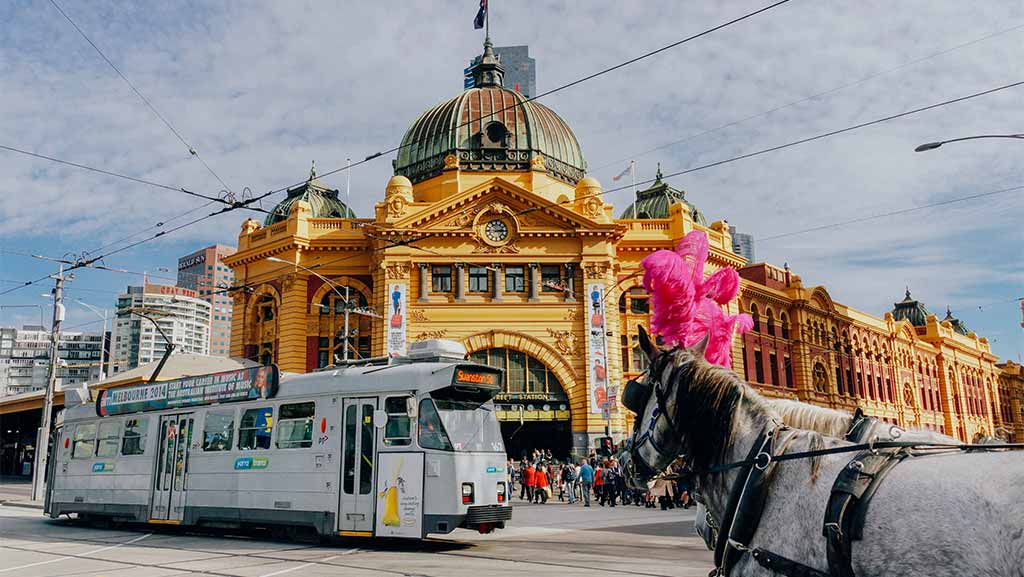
[225,387]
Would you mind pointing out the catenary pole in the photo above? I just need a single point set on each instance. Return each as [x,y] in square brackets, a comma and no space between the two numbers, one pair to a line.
[43,442]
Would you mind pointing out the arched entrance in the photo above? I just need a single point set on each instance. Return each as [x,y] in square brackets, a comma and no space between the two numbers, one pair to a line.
[533,408]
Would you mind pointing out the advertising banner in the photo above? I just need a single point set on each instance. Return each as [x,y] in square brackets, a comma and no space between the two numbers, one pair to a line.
[597,351]
[240,385]
[396,319]
[400,495]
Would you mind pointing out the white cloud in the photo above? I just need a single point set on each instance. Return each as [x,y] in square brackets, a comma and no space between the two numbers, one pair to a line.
[261,89]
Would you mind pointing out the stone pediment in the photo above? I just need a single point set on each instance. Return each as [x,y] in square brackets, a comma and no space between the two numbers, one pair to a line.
[527,211]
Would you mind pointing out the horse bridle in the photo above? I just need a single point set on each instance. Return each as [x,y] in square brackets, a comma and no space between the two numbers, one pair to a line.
[635,398]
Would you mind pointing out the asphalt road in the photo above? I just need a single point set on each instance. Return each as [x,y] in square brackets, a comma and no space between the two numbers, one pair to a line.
[551,539]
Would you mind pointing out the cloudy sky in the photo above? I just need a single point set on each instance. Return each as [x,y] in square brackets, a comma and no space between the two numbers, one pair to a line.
[261,89]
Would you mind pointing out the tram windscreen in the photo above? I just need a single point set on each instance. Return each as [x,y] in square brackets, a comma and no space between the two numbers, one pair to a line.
[471,425]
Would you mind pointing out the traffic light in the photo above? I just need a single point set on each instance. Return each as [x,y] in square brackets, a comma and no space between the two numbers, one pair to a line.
[607,447]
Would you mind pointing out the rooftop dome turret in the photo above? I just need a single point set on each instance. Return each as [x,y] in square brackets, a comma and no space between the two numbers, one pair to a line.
[490,128]
[323,202]
[654,201]
[911,310]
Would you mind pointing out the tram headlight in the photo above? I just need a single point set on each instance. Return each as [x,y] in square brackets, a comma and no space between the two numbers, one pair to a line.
[467,493]
[501,492]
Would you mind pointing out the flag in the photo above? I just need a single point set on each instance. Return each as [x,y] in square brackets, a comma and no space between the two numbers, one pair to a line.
[481,15]
[628,170]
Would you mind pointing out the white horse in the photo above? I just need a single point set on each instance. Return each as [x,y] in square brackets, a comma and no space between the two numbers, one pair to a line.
[950,514]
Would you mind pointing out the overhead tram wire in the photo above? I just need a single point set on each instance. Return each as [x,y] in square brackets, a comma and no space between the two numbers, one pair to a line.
[157,225]
[783,146]
[538,96]
[142,97]
[893,213]
[833,90]
[109,173]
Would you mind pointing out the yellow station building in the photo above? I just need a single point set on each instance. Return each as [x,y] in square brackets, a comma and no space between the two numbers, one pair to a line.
[491,234]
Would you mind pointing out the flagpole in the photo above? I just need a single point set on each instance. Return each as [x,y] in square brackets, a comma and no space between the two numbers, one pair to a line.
[632,170]
[348,182]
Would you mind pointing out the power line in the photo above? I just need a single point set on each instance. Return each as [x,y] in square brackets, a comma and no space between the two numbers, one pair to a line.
[892,213]
[787,145]
[149,104]
[541,95]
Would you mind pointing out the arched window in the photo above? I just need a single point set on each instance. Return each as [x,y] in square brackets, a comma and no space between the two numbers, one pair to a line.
[523,373]
[784,325]
[265,331]
[757,319]
[819,377]
[331,339]
[769,321]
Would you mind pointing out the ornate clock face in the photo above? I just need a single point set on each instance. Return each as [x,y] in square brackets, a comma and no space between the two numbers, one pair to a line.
[496,230]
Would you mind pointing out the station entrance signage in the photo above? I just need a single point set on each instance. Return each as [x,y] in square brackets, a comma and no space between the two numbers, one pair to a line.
[229,386]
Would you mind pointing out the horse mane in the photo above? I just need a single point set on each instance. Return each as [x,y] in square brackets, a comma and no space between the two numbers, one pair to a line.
[712,395]
[798,415]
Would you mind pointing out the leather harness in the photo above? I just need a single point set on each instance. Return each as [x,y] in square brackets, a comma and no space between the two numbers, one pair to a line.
[845,513]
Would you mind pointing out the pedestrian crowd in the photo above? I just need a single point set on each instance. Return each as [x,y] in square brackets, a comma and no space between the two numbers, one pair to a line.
[540,477]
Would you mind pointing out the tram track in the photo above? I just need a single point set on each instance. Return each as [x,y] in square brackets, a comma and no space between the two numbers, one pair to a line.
[488,551]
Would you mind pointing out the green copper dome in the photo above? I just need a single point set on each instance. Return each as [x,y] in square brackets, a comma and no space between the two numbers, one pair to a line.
[958,325]
[323,202]
[911,310]
[490,128]
[654,202]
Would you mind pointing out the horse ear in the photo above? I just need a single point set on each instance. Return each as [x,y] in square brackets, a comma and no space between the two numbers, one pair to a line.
[699,349]
[649,348]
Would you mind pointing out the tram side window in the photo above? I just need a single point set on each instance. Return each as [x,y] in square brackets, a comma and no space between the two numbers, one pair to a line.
[255,428]
[218,430]
[85,441]
[398,431]
[134,442]
[431,433]
[110,438]
[295,426]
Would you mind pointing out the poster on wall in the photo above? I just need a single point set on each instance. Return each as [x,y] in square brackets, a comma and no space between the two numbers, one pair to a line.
[400,495]
[396,319]
[597,347]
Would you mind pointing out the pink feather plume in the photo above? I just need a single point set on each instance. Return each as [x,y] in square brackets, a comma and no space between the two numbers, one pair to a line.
[685,306]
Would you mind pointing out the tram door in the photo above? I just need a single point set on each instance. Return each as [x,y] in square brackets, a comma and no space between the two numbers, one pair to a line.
[357,466]
[169,486]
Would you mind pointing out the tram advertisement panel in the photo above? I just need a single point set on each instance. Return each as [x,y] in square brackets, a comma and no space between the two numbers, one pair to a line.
[238,385]
[400,495]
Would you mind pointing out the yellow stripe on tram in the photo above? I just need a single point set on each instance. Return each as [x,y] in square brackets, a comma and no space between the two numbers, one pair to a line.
[355,533]
[164,522]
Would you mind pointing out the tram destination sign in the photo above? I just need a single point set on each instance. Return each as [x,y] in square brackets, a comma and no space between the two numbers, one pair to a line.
[229,386]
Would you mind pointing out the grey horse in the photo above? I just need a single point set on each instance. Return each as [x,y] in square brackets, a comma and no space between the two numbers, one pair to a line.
[830,423]
[941,514]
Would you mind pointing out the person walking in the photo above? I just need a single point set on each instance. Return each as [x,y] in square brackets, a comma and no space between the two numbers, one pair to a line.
[543,485]
[609,483]
[530,481]
[569,481]
[599,483]
[586,481]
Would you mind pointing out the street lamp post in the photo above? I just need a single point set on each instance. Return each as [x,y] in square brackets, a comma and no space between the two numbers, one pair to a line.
[103,335]
[345,298]
[933,145]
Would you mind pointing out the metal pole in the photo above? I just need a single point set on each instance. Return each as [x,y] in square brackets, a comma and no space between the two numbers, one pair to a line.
[344,354]
[43,443]
[104,343]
